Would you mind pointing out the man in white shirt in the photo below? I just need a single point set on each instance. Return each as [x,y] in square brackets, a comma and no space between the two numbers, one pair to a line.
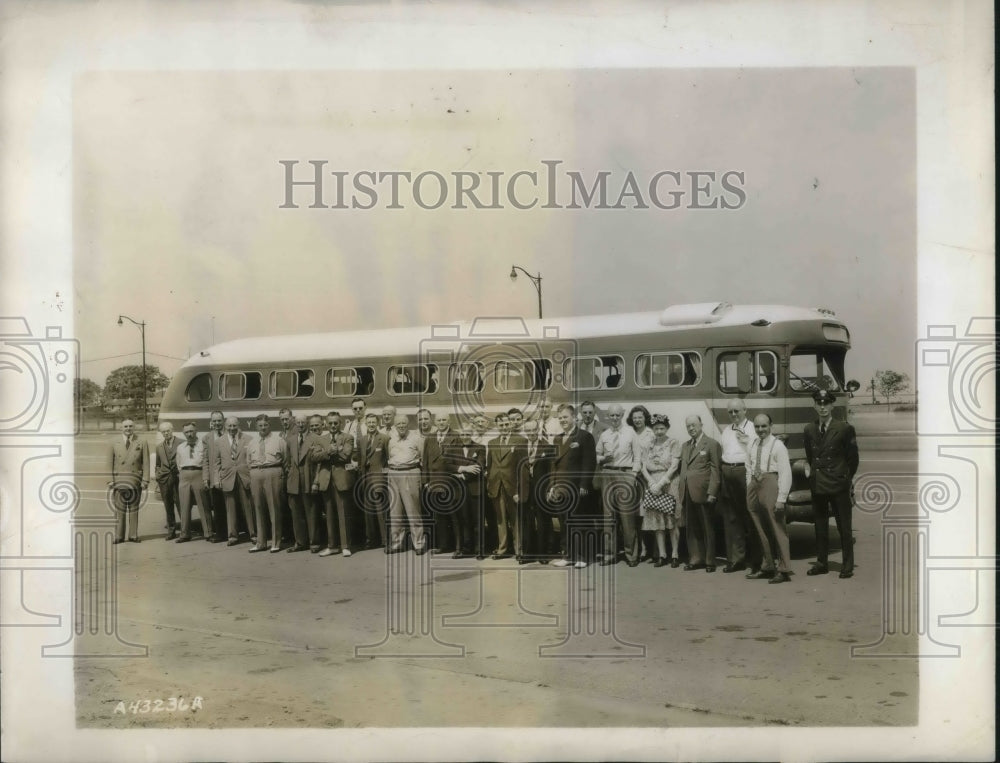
[550,424]
[769,478]
[403,468]
[742,544]
[192,464]
[267,454]
[620,461]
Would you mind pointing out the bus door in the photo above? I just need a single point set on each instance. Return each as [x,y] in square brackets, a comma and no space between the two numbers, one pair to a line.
[752,374]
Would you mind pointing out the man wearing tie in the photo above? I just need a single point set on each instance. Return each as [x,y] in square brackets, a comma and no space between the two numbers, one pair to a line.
[388,423]
[216,499]
[192,463]
[337,493]
[468,460]
[536,520]
[266,456]
[699,489]
[768,480]
[167,476]
[371,490]
[572,473]
[287,420]
[743,547]
[438,487]
[502,459]
[832,454]
[298,482]
[356,427]
[588,420]
[128,464]
[234,479]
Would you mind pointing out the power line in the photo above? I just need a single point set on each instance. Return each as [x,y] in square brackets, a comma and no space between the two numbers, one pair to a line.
[128,354]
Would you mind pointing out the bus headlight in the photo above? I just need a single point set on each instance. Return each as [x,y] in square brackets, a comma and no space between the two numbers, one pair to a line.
[801,467]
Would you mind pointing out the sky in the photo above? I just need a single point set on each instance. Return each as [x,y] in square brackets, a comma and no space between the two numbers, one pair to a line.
[178,190]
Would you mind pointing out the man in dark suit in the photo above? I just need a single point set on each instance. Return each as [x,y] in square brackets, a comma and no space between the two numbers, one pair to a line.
[467,459]
[298,481]
[128,465]
[371,489]
[832,454]
[700,480]
[437,477]
[234,478]
[573,472]
[502,458]
[167,476]
[534,517]
[216,496]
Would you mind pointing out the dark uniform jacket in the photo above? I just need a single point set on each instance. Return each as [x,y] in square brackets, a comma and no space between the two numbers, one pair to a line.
[833,457]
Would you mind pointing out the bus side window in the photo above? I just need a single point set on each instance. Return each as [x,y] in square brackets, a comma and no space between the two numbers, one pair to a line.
[767,372]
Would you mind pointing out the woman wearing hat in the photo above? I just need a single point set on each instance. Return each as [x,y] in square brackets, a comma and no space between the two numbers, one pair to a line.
[660,463]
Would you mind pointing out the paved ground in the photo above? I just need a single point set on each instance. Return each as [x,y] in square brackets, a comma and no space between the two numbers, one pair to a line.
[269,640]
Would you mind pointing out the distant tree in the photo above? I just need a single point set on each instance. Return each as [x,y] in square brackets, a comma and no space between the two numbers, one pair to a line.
[888,384]
[126,383]
[86,393]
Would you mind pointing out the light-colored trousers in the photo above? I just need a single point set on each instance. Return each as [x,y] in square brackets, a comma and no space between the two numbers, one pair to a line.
[762,495]
[265,487]
[404,509]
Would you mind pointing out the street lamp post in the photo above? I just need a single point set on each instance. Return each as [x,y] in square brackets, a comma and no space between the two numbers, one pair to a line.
[536,280]
[142,330]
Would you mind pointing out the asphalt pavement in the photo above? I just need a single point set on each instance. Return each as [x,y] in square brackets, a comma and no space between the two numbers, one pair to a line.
[295,640]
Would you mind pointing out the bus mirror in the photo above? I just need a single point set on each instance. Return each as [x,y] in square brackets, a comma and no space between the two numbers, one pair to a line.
[744,373]
[852,386]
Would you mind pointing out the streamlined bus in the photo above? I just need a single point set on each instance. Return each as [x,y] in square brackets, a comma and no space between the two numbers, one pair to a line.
[687,359]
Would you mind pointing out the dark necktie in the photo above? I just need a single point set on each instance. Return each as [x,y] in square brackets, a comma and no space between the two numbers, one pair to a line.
[234,449]
[300,440]
[822,430]
[757,471]
[192,450]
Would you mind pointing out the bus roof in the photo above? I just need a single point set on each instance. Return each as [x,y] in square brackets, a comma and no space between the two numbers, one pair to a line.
[407,341]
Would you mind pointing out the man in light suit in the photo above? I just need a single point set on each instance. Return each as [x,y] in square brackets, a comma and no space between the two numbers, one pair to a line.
[128,465]
[332,470]
[832,454]
[234,478]
[167,475]
[437,476]
[298,481]
[371,490]
[503,455]
[699,488]
[573,471]
[215,493]
[314,445]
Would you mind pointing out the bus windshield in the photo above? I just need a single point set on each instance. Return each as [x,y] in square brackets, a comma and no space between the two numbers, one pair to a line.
[810,369]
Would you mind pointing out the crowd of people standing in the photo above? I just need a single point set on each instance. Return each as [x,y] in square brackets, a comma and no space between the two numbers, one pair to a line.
[620,490]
